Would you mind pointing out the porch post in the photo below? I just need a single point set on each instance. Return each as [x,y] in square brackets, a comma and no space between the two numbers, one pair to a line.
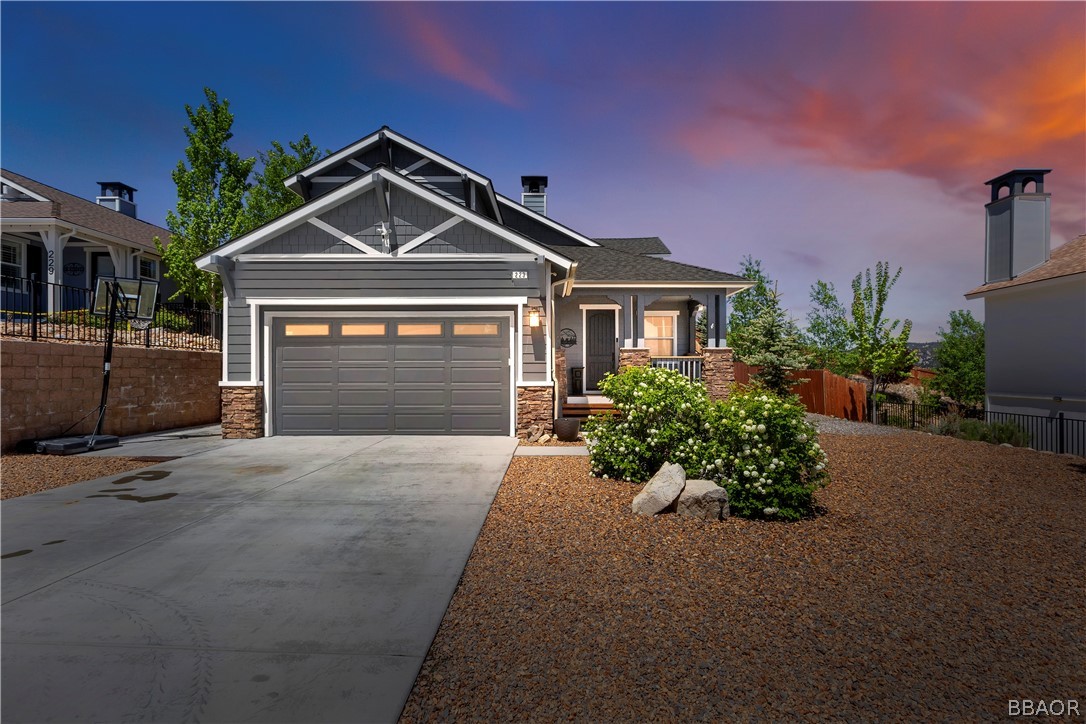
[717,366]
[639,321]
[122,261]
[627,337]
[54,243]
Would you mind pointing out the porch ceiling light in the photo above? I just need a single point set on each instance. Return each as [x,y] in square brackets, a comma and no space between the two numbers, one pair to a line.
[533,317]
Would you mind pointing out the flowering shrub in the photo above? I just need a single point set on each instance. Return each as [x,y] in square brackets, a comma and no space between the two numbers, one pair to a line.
[757,445]
[765,453]
[661,420]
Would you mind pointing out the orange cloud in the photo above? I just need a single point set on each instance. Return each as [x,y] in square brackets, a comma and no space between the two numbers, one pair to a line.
[944,95]
[446,51]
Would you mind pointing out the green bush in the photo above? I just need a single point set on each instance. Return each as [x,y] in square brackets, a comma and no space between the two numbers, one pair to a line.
[173,321]
[662,419]
[78,317]
[765,454]
[996,433]
[755,444]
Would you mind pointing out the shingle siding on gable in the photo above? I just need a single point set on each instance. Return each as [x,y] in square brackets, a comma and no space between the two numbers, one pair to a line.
[305,239]
[466,238]
[357,217]
[413,216]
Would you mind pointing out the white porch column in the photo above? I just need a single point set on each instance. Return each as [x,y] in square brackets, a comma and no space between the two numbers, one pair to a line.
[122,261]
[54,242]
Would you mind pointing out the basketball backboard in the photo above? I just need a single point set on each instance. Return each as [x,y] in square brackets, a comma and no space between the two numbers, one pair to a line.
[135,298]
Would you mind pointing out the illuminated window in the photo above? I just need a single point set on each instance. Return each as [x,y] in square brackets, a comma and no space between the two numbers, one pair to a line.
[404,329]
[307,330]
[475,329]
[660,334]
[373,329]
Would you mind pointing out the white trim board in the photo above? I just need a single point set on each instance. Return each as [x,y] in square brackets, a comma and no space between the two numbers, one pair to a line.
[525,257]
[584,333]
[23,189]
[389,301]
[362,185]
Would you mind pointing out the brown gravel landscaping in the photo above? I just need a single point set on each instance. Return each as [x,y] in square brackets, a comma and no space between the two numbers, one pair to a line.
[26,474]
[941,579]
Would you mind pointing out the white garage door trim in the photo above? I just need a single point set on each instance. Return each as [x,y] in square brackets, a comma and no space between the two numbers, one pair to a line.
[270,316]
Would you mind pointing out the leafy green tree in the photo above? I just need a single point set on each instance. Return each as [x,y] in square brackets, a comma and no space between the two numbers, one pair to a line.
[776,347]
[880,354]
[748,305]
[827,331]
[212,182]
[960,357]
[268,198]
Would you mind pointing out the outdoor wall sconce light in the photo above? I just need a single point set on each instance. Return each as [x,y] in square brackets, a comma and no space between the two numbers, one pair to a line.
[533,317]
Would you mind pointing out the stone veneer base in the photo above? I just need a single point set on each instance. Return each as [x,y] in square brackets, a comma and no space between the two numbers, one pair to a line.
[242,412]
[535,406]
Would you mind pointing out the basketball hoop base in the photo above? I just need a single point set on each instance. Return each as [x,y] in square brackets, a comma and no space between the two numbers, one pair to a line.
[75,445]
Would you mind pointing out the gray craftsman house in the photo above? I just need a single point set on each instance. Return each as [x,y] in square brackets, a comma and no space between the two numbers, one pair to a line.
[405,295]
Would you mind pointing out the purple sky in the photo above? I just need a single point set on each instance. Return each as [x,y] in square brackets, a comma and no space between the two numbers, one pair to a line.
[819,138]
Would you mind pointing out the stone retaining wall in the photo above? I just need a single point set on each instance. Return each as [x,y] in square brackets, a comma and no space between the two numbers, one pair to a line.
[633,357]
[48,386]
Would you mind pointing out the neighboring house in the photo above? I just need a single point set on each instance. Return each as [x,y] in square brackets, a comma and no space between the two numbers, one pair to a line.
[1034,305]
[407,296]
[67,240]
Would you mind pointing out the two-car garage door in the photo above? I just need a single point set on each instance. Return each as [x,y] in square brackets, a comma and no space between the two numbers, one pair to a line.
[413,375]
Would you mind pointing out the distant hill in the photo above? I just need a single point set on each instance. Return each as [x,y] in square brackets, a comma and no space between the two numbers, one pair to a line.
[926,350]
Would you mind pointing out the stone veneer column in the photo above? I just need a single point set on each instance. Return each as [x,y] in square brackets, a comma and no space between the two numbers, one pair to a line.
[535,406]
[717,371]
[633,357]
[242,412]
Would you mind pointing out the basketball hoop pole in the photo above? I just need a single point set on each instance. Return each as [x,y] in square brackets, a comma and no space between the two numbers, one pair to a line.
[107,360]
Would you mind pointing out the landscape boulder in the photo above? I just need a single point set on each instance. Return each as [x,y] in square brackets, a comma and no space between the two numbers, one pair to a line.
[534,432]
[703,499]
[660,492]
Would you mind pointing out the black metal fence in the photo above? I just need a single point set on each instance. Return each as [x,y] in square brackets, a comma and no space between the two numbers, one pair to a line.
[38,310]
[1057,433]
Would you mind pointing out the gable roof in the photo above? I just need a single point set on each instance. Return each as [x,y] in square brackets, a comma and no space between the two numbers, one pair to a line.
[87,215]
[561,230]
[361,185]
[601,264]
[347,152]
[638,245]
[1065,260]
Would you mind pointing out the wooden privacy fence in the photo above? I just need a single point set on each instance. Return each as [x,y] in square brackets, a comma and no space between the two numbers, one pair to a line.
[823,393]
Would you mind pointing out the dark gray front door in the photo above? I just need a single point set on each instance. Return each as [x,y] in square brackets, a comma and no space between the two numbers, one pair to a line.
[427,375]
[600,349]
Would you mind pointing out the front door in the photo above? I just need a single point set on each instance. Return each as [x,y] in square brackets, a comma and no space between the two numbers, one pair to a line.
[600,346]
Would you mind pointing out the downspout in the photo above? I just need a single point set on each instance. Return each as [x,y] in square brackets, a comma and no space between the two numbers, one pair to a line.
[568,282]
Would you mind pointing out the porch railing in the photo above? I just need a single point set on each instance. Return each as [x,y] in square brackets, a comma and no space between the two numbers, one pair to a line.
[689,367]
[24,312]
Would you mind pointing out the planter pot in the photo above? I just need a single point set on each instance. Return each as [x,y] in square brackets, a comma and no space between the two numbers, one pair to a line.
[567,428]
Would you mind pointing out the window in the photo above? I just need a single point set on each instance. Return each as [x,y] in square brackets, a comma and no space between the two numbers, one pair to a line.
[148,268]
[480,329]
[374,329]
[307,330]
[660,334]
[404,329]
[14,260]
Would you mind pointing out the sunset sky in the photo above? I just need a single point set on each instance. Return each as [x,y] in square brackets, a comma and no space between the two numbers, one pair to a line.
[820,138]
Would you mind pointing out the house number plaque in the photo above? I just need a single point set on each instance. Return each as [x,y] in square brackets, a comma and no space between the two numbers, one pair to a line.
[520,275]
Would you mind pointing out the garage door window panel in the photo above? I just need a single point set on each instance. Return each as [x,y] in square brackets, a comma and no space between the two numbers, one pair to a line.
[475,329]
[307,330]
[373,329]
[427,329]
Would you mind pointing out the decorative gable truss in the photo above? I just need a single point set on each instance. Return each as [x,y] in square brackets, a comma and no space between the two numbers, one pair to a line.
[381,214]
[412,160]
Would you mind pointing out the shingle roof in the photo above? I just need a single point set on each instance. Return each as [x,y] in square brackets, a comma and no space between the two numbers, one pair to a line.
[638,245]
[89,215]
[1067,259]
[601,264]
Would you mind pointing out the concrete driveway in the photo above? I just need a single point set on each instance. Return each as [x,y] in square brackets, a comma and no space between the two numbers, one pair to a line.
[281,579]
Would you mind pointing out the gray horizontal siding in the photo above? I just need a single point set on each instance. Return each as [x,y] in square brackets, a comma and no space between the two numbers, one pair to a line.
[346,278]
[534,349]
[238,342]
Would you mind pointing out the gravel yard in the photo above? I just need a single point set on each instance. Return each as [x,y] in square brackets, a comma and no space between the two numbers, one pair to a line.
[943,578]
[26,474]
